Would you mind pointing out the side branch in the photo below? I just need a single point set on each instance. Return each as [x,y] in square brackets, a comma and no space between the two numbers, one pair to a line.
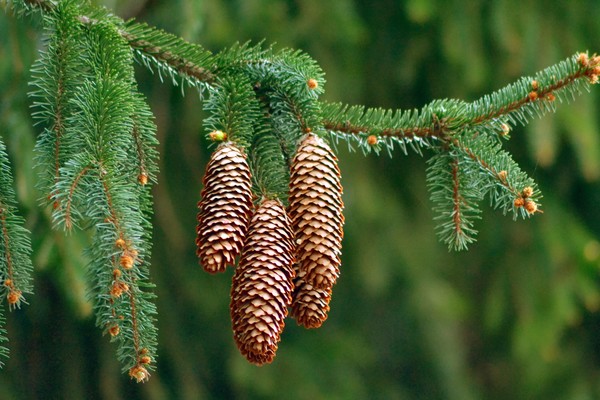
[124,268]
[456,199]
[58,127]
[14,295]
[508,186]
[444,119]
[68,219]
[541,88]
[499,176]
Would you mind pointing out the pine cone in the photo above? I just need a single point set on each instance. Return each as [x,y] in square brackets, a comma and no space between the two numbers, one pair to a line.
[316,212]
[225,208]
[309,305]
[263,283]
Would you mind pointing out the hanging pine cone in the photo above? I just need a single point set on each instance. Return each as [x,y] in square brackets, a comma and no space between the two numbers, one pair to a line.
[263,283]
[309,304]
[316,212]
[225,208]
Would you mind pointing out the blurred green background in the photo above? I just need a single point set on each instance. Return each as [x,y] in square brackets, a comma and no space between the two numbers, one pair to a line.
[516,317]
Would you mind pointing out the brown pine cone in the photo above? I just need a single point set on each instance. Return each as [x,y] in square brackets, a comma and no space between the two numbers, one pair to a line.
[225,208]
[309,305]
[263,283]
[315,208]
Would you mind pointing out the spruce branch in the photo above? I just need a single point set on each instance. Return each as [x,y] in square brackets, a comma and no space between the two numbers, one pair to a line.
[123,276]
[100,150]
[15,245]
[513,104]
[191,61]
[456,196]
[508,187]
[15,249]
[55,77]
[287,85]
[537,95]
[97,152]
[67,219]
[415,128]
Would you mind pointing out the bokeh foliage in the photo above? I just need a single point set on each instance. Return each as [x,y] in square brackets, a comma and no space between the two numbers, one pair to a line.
[514,317]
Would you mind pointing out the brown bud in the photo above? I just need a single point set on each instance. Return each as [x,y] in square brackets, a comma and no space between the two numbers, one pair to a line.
[527,191]
[143,178]
[120,243]
[13,297]
[8,283]
[145,360]
[114,330]
[502,175]
[583,59]
[519,202]
[531,207]
[312,83]
[126,261]
[372,140]
[139,373]
[118,288]
[550,97]
[535,85]
[532,96]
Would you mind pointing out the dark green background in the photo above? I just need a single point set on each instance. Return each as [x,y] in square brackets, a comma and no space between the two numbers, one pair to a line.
[515,317]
